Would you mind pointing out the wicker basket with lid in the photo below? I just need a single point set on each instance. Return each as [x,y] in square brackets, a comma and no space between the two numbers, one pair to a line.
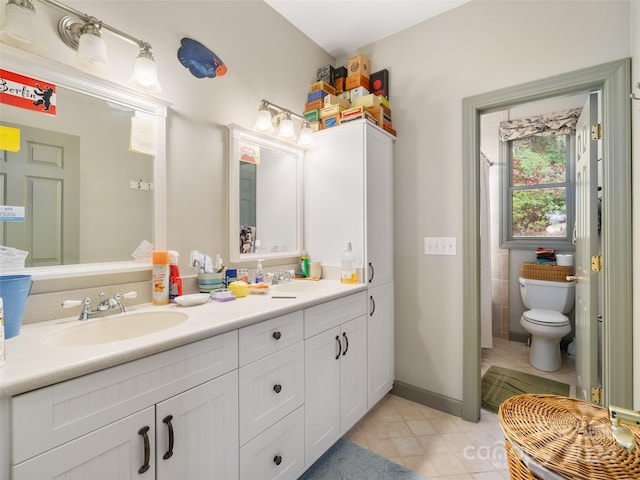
[568,436]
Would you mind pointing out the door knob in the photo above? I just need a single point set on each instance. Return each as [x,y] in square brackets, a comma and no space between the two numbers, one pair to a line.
[571,278]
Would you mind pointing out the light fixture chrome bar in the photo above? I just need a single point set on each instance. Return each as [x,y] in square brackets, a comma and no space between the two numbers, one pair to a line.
[125,36]
[281,110]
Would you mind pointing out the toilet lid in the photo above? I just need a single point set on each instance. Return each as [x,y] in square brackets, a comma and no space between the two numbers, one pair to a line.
[546,317]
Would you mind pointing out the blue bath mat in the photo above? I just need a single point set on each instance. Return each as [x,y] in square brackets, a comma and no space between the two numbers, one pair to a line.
[347,461]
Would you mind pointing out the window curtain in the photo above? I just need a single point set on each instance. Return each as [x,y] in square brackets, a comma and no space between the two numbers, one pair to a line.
[548,124]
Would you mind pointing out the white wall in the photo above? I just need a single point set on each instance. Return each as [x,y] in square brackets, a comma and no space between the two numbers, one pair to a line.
[476,48]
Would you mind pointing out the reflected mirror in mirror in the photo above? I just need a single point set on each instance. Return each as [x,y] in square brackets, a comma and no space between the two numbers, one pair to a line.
[265,196]
[73,175]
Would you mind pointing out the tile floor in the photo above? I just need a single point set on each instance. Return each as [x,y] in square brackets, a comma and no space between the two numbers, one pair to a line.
[440,446]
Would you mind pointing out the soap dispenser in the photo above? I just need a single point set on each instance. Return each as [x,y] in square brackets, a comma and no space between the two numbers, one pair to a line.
[347,267]
[259,274]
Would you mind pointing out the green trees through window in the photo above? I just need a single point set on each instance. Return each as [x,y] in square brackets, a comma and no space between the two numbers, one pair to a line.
[540,185]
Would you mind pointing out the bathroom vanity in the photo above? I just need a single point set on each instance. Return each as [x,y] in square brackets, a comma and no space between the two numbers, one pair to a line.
[256,388]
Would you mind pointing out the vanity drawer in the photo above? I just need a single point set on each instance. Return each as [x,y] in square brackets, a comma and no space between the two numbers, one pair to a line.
[331,314]
[270,336]
[277,453]
[51,416]
[270,389]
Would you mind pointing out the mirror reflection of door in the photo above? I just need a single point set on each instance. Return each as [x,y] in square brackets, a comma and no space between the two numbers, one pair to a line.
[248,198]
[44,178]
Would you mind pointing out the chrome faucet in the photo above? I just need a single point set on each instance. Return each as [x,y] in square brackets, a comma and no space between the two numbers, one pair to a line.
[106,307]
[281,276]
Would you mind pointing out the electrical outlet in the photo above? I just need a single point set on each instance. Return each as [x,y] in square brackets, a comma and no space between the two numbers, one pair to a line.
[440,245]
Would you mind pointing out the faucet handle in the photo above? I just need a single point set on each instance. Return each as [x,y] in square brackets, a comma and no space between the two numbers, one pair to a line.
[119,296]
[76,303]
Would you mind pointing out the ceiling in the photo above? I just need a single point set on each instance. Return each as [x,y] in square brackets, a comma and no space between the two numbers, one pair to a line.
[341,27]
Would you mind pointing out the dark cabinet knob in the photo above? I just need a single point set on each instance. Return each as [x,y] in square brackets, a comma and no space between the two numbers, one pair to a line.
[277,459]
[277,335]
[277,388]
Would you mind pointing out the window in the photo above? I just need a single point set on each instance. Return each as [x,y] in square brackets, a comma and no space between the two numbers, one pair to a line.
[537,207]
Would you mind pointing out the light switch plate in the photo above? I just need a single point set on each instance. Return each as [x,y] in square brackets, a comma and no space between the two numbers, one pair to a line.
[440,245]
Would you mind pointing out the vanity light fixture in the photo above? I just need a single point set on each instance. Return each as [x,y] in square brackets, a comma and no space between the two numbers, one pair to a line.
[271,116]
[20,26]
[81,32]
[286,130]
[306,135]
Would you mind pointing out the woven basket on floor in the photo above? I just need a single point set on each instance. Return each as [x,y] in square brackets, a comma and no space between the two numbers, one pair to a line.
[568,436]
[541,271]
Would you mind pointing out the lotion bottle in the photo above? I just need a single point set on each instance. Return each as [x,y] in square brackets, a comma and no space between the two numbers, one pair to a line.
[160,278]
[347,267]
[259,273]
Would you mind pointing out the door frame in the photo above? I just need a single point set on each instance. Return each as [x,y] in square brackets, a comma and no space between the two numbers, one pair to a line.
[614,79]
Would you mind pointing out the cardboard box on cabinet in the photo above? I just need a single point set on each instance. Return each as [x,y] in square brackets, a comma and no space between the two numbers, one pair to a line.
[312,115]
[370,100]
[314,105]
[316,95]
[357,93]
[322,86]
[326,74]
[332,121]
[355,81]
[379,83]
[334,100]
[331,110]
[359,65]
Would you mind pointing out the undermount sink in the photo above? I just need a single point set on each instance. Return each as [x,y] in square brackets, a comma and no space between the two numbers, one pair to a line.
[298,286]
[113,329]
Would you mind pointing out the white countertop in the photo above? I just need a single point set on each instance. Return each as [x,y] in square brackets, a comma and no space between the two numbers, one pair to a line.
[32,363]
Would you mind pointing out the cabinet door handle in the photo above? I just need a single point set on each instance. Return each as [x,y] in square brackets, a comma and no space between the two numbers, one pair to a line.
[373,305]
[147,449]
[339,347]
[277,388]
[346,343]
[167,420]
[372,272]
[277,335]
[277,459]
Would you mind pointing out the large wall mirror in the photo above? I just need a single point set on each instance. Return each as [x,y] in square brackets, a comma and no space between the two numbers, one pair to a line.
[265,196]
[90,198]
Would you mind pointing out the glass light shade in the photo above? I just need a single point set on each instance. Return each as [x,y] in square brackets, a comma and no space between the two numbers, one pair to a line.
[306,137]
[286,129]
[263,121]
[145,75]
[92,53]
[21,28]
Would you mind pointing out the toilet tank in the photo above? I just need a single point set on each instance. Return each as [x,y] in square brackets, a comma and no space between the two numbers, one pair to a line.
[556,296]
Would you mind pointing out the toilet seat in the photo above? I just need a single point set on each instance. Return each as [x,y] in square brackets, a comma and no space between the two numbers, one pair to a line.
[546,318]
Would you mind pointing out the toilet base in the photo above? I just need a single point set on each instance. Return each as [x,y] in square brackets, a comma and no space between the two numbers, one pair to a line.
[545,354]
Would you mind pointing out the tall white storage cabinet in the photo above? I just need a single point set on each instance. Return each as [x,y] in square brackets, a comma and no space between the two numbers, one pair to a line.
[348,196]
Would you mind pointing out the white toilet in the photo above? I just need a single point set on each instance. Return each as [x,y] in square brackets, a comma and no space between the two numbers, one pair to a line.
[545,321]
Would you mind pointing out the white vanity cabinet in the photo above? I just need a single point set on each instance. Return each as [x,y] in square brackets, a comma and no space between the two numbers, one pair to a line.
[349,197]
[272,397]
[116,423]
[336,371]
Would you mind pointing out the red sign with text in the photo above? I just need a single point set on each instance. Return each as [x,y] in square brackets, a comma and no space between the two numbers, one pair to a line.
[27,92]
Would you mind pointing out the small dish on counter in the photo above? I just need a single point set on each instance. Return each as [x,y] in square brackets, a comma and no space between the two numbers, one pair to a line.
[193,299]
[259,288]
